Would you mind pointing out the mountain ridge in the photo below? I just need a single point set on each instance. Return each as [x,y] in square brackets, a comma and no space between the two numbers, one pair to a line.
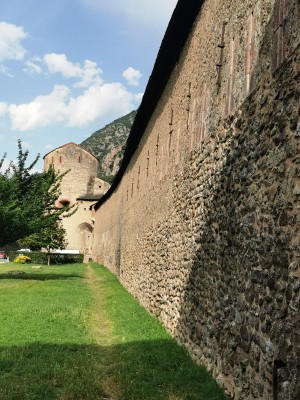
[108,143]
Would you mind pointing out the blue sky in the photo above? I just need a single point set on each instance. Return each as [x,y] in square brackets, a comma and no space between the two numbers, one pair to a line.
[69,67]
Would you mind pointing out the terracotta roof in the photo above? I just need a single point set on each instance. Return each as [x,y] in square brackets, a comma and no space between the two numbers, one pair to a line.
[90,197]
[68,144]
[169,53]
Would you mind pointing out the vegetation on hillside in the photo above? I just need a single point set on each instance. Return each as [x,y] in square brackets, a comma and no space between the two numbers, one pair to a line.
[108,145]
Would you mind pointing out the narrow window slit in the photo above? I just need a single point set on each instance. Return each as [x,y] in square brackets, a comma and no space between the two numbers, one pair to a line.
[148,162]
[157,147]
[221,46]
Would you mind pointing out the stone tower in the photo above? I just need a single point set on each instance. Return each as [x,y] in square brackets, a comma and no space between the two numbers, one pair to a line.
[79,186]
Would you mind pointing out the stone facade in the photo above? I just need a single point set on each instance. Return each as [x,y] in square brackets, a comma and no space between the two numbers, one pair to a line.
[203,227]
[79,186]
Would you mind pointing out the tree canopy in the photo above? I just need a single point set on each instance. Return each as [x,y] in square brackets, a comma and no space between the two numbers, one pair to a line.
[27,199]
[48,238]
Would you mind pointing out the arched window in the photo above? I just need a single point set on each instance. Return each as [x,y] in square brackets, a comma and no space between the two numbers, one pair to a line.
[61,203]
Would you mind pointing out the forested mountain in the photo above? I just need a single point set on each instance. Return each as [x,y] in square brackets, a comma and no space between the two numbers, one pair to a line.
[108,144]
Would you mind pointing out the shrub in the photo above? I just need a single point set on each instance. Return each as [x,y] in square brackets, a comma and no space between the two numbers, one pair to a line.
[22,259]
[57,258]
[38,257]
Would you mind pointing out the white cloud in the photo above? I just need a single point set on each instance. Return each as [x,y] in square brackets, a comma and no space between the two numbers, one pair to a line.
[49,146]
[132,76]
[152,12]
[5,71]
[42,111]
[110,99]
[58,63]
[32,68]
[3,109]
[98,101]
[88,74]
[10,42]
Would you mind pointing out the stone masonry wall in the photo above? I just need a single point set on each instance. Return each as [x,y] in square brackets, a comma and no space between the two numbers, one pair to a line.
[204,226]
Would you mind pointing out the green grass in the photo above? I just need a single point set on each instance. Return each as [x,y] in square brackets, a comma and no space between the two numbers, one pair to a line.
[73,333]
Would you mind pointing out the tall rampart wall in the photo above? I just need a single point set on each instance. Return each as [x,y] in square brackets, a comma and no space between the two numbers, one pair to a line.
[204,226]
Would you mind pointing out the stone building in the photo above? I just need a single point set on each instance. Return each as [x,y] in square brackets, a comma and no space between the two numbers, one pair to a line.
[79,186]
[202,221]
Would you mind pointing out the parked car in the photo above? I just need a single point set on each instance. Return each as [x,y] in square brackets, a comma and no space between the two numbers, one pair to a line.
[66,251]
[24,251]
[3,256]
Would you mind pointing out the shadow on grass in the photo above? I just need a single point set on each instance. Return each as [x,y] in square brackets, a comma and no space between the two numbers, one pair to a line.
[151,370]
[36,276]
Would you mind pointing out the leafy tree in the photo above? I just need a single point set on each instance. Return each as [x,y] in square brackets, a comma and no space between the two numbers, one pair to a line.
[27,199]
[49,239]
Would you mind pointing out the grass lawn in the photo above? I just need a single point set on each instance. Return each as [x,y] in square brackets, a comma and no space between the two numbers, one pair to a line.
[73,333]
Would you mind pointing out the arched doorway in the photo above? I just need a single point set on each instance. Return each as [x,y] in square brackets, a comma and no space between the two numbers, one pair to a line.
[85,233]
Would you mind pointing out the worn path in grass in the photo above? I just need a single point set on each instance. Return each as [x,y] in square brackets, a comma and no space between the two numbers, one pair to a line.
[102,326]
[102,331]
[147,363]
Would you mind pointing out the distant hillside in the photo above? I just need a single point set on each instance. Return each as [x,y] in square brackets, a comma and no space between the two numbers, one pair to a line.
[108,144]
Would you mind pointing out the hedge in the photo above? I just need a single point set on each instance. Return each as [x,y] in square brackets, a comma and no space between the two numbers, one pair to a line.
[42,258]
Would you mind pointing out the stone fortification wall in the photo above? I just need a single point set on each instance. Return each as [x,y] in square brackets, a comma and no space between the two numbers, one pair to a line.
[204,226]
